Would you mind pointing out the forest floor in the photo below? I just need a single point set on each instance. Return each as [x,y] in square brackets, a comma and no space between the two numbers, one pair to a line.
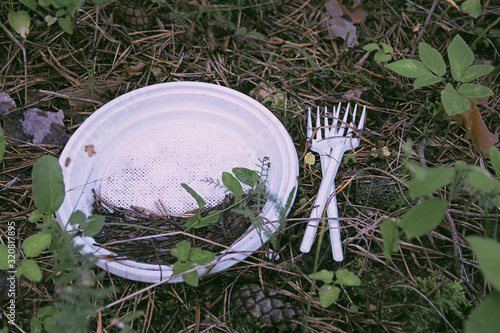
[283,54]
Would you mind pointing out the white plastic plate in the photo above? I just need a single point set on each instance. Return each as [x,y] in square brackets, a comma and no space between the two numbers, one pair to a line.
[140,147]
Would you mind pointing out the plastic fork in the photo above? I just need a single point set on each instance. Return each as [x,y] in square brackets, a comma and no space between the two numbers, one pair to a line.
[340,143]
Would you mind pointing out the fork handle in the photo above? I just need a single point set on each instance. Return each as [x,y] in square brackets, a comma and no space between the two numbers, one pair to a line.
[321,198]
[333,214]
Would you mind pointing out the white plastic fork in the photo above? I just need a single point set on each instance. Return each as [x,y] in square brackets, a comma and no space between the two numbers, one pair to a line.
[323,148]
[339,143]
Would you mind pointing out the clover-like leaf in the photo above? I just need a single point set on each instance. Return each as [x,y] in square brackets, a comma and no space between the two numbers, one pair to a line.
[371,47]
[472,7]
[348,278]
[432,59]
[20,21]
[190,278]
[460,56]
[328,294]
[323,275]
[471,90]
[382,57]
[181,251]
[426,80]
[453,102]
[201,257]
[66,23]
[409,68]
[476,71]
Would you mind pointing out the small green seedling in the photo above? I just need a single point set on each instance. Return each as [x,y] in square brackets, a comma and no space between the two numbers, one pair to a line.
[232,184]
[187,258]
[431,69]
[383,53]
[329,293]
[63,11]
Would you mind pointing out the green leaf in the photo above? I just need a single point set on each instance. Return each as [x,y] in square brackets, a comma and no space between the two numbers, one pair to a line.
[353,308]
[409,68]
[328,294]
[382,57]
[390,235]
[481,180]
[371,47]
[35,244]
[486,251]
[201,257]
[426,80]
[181,251]
[94,225]
[232,184]
[2,144]
[423,217]
[78,218]
[472,7]
[199,200]
[495,159]
[453,102]
[432,59]
[30,269]
[48,184]
[31,4]
[471,90]
[211,218]
[348,278]
[430,181]
[66,24]
[190,278]
[5,258]
[460,56]
[20,21]
[44,3]
[387,48]
[323,275]
[35,216]
[475,71]
[484,318]
[246,176]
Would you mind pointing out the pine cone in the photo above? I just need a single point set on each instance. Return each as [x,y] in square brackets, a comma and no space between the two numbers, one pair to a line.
[252,303]
[134,17]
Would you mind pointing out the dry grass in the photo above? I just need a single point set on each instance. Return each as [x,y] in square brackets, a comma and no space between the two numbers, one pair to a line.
[299,65]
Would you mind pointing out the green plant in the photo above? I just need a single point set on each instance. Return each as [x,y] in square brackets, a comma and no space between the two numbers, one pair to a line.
[62,13]
[431,69]
[79,297]
[479,184]
[187,258]
[329,293]
[383,53]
